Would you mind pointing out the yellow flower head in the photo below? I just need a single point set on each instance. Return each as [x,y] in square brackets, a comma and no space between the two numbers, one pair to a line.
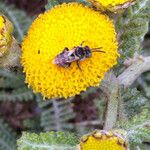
[6,29]
[103,140]
[112,5]
[68,25]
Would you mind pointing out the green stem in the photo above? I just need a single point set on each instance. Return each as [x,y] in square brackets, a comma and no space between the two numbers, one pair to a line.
[110,87]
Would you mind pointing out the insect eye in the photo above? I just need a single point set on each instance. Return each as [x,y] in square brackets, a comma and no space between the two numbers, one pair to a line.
[87,51]
[86,48]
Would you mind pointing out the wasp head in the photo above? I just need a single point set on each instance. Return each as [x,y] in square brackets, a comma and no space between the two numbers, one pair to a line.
[87,51]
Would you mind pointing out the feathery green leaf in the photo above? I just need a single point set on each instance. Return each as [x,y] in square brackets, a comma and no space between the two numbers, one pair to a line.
[47,141]
[7,137]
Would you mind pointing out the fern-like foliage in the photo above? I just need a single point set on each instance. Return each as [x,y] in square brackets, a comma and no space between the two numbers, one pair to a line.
[47,141]
[143,83]
[7,137]
[135,101]
[10,79]
[131,28]
[13,87]
[55,114]
[138,129]
[21,94]
[19,19]
[33,124]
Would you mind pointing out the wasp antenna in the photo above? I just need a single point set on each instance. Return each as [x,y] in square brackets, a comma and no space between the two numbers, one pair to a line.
[97,48]
[98,51]
[82,43]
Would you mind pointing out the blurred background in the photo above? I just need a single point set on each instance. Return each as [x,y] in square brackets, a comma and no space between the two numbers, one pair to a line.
[21,110]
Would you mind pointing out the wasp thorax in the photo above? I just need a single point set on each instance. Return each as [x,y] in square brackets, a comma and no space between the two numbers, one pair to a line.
[79,52]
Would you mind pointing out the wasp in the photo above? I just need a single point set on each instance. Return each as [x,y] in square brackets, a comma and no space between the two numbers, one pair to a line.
[77,54]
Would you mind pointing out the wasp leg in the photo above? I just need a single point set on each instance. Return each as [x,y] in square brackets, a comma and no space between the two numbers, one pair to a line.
[82,43]
[78,64]
[65,49]
[65,65]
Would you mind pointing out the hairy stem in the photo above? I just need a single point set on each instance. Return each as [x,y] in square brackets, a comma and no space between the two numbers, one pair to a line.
[139,66]
[111,88]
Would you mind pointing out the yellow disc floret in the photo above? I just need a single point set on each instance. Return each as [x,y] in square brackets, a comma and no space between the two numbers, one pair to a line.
[68,25]
[6,29]
[112,5]
[103,140]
